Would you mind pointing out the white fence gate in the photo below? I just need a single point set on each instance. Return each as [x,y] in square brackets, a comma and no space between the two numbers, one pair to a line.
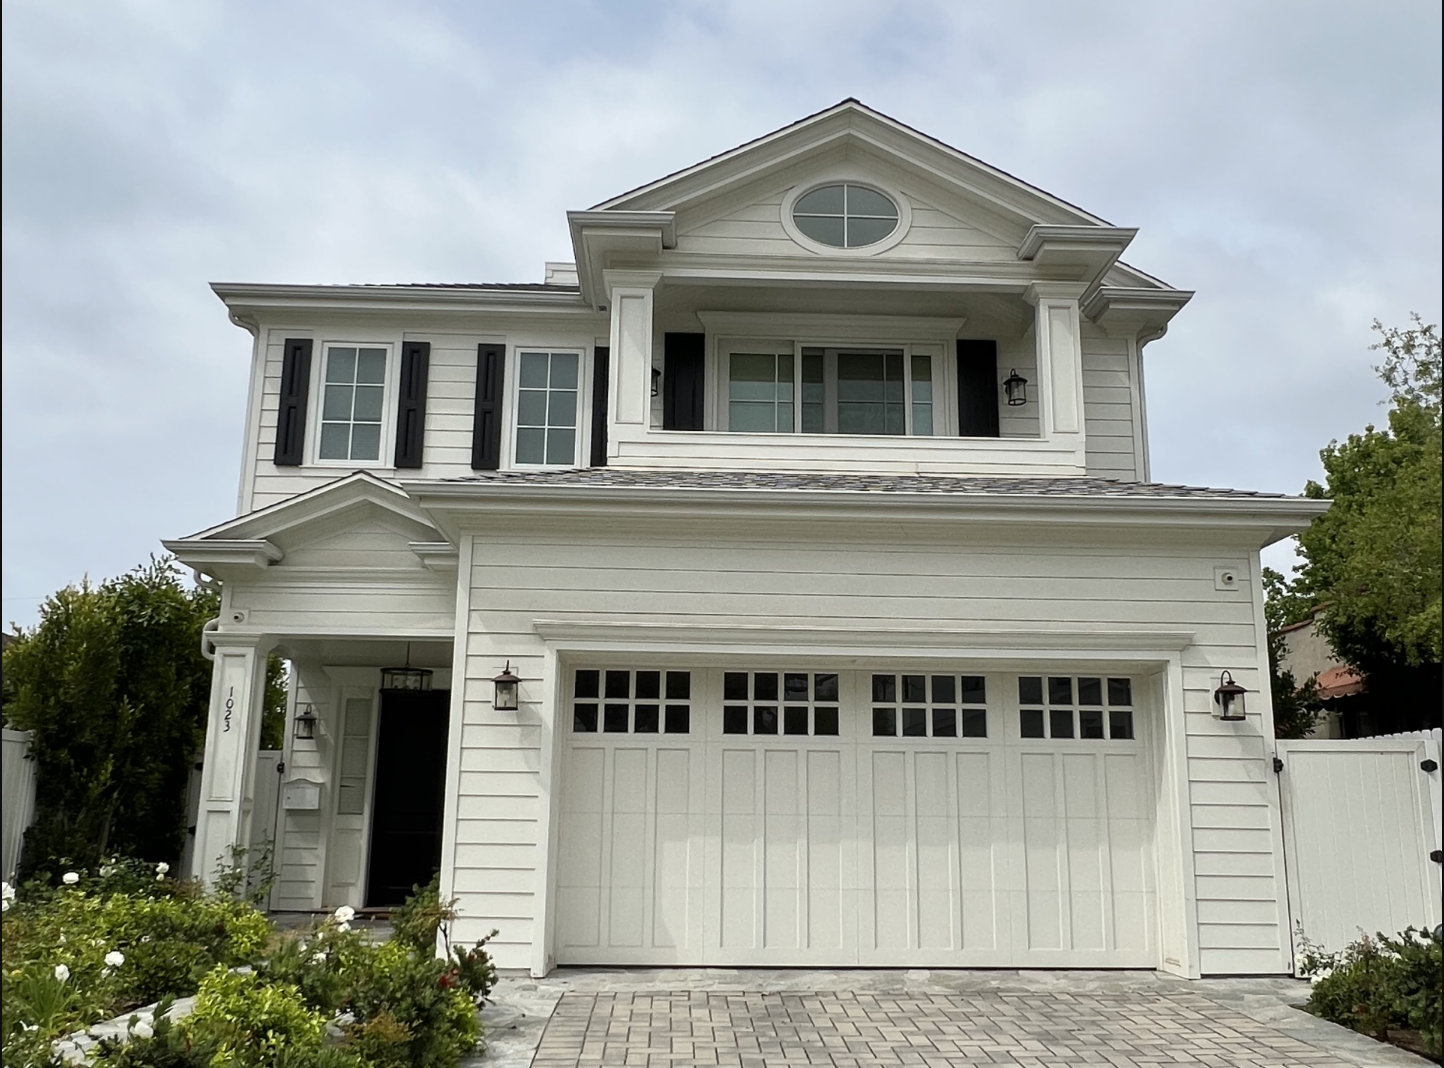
[1362,833]
[18,772]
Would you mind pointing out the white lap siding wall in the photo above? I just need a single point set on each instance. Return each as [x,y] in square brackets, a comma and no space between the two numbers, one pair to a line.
[872,577]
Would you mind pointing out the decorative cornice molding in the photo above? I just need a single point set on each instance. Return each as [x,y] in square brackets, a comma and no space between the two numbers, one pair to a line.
[205,553]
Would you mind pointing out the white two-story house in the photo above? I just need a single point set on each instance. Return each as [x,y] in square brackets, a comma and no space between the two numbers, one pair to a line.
[811,508]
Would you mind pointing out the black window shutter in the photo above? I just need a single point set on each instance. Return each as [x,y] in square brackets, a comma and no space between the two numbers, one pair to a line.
[486,428]
[291,418]
[978,389]
[411,406]
[682,381]
[601,369]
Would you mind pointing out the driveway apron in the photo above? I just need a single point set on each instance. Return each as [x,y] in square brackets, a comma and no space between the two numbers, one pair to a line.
[753,1018]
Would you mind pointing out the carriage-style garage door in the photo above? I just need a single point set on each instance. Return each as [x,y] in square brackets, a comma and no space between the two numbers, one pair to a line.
[869,817]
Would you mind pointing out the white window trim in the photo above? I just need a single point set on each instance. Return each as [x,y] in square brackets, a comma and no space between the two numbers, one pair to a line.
[386,457]
[513,402]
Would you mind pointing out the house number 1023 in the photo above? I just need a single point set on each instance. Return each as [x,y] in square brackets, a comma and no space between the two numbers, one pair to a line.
[230,707]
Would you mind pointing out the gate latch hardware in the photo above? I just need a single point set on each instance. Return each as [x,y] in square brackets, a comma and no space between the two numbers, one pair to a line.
[1278,764]
[1428,765]
[1437,856]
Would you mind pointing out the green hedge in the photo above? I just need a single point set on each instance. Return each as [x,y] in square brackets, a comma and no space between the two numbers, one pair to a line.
[101,945]
[1381,987]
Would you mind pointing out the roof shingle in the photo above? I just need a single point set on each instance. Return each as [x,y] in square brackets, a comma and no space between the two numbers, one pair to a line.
[781,481]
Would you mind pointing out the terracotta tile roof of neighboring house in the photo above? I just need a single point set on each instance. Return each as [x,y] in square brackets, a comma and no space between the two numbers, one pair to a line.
[648,478]
[1339,681]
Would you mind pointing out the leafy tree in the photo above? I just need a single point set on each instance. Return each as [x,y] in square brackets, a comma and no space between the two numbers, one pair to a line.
[1373,562]
[113,685]
[1296,705]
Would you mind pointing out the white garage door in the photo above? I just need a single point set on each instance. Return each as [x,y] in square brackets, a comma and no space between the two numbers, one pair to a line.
[874,818]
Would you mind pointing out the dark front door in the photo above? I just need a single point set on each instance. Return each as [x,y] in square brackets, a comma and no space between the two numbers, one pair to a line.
[406,808]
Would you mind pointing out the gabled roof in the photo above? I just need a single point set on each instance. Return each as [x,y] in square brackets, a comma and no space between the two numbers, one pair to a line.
[252,540]
[851,120]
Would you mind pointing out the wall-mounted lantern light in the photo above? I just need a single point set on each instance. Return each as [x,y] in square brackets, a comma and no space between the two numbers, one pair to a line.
[505,697]
[406,677]
[1229,698]
[305,725]
[1016,387]
[656,380]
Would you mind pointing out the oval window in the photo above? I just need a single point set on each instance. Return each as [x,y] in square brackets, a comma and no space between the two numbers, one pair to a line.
[845,215]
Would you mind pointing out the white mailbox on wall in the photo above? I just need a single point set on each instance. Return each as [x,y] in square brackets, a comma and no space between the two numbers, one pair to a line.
[301,794]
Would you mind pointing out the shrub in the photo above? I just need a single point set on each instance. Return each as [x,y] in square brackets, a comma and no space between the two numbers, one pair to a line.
[1378,985]
[412,1011]
[424,917]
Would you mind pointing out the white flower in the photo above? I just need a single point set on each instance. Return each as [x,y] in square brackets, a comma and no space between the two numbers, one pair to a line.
[62,972]
[7,891]
[345,914]
[343,927]
[62,938]
[115,958]
[160,876]
[106,871]
[70,878]
[4,904]
[162,868]
[141,1029]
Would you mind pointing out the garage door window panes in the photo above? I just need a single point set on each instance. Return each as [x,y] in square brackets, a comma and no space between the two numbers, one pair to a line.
[631,702]
[779,702]
[1086,707]
[929,706]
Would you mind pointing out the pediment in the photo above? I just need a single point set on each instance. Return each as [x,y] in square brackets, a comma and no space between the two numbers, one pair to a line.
[357,522]
[852,135]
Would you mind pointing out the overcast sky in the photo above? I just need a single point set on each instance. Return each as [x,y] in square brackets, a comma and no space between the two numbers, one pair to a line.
[1282,159]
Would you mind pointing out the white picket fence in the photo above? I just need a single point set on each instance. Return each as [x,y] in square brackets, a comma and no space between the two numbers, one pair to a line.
[18,797]
[1363,821]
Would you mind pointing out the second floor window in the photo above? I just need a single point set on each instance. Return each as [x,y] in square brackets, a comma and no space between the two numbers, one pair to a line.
[353,403]
[546,408]
[830,391]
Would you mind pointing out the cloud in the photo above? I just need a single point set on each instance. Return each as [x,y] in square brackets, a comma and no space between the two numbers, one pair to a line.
[1282,160]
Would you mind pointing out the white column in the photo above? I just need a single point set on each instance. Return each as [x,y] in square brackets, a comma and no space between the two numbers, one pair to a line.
[1060,360]
[233,735]
[630,297]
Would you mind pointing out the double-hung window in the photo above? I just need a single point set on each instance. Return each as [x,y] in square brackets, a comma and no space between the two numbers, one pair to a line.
[548,386]
[353,403]
[823,390]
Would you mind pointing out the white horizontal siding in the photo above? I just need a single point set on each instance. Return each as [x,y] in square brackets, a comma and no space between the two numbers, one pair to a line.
[1108,408]
[878,578]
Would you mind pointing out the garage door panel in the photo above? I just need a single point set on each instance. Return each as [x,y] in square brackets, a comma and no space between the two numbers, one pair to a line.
[838,849]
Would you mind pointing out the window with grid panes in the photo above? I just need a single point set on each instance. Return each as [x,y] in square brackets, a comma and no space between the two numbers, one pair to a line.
[780,702]
[929,706]
[1087,707]
[615,701]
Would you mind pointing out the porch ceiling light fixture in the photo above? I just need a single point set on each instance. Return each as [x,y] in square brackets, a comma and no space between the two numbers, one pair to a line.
[1016,387]
[305,725]
[505,697]
[1229,698]
[406,677]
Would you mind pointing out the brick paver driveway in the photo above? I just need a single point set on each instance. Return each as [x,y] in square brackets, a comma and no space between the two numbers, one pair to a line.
[1039,1029]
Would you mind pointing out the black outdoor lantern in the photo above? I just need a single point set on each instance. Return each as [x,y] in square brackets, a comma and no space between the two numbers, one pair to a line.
[505,698]
[1016,387]
[656,380]
[1229,698]
[305,727]
[407,677]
